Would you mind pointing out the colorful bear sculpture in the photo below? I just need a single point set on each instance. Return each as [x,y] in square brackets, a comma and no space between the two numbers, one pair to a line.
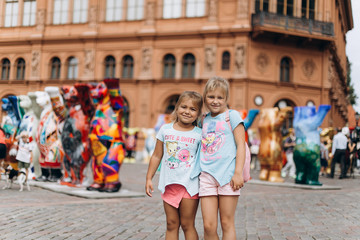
[48,140]
[307,150]
[74,137]
[271,120]
[106,140]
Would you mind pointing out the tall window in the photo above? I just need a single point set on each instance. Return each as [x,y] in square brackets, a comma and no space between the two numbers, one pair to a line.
[110,67]
[80,11]
[135,9]
[195,8]
[225,62]
[11,13]
[55,68]
[172,8]
[285,7]
[308,9]
[169,66]
[113,10]
[60,11]
[128,66]
[20,69]
[5,69]
[29,14]
[261,6]
[285,68]
[72,68]
[188,70]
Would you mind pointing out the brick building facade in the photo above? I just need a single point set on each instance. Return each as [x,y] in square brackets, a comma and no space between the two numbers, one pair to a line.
[274,52]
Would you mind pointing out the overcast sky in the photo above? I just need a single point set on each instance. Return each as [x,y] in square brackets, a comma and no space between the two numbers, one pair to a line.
[353,50]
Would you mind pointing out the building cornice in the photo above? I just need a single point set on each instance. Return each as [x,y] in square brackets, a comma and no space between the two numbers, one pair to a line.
[346,13]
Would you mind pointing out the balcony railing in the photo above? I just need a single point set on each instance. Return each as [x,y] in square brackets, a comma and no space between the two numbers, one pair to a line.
[293,23]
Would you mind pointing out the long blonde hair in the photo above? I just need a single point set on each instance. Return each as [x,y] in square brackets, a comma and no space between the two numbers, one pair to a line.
[217,82]
[196,99]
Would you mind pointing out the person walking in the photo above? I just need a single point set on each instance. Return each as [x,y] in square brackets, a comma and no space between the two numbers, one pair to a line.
[338,152]
[289,145]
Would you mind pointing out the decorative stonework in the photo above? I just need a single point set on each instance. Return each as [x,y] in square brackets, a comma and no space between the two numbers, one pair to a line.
[210,58]
[242,9]
[213,11]
[92,17]
[146,60]
[40,20]
[89,63]
[240,53]
[308,68]
[262,62]
[35,66]
[150,13]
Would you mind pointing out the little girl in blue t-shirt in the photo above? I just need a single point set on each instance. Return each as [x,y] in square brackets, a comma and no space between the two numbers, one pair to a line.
[177,148]
[222,159]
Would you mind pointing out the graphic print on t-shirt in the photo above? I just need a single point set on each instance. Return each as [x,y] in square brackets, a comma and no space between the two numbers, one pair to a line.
[177,151]
[214,138]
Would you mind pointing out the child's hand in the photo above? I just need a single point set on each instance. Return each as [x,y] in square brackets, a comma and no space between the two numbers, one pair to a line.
[237,182]
[149,188]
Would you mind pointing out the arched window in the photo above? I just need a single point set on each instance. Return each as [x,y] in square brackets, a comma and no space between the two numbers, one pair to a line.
[128,66]
[285,69]
[20,69]
[169,66]
[188,62]
[5,69]
[261,6]
[72,72]
[110,66]
[225,61]
[285,7]
[55,68]
[308,9]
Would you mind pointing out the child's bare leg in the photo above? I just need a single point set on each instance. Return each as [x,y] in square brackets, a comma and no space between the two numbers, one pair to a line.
[187,209]
[172,222]
[227,207]
[209,210]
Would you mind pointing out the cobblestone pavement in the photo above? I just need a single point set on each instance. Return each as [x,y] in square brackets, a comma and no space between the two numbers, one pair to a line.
[263,212]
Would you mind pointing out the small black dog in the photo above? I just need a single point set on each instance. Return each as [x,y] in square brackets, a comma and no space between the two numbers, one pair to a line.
[10,174]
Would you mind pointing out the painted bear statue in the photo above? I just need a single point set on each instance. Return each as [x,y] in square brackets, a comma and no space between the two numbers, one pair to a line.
[74,137]
[29,123]
[10,123]
[307,150]
[48,140]
[270,122]
[106,140]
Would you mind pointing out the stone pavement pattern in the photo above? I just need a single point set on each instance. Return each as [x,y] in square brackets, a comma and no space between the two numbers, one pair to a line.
[263,212]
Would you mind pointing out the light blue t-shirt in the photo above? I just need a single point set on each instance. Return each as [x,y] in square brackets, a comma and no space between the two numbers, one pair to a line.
[218,147]
[178,161]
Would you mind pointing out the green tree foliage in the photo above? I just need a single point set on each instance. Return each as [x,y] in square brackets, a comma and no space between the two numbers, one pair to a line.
[352,97]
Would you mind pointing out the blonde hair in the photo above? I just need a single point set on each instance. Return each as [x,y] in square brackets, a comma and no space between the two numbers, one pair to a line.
[217,82]
[196,99]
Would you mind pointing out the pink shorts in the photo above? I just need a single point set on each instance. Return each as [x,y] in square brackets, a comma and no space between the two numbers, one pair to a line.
[210,187]
[174,193]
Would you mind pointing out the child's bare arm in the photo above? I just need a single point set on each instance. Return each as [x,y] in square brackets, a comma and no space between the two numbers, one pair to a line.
[153,165]
[237,180]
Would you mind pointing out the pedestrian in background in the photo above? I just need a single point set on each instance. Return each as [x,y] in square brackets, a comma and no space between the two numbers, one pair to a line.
[2,146]
[324,157]
[177,148]
[338,152]
[289,145]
